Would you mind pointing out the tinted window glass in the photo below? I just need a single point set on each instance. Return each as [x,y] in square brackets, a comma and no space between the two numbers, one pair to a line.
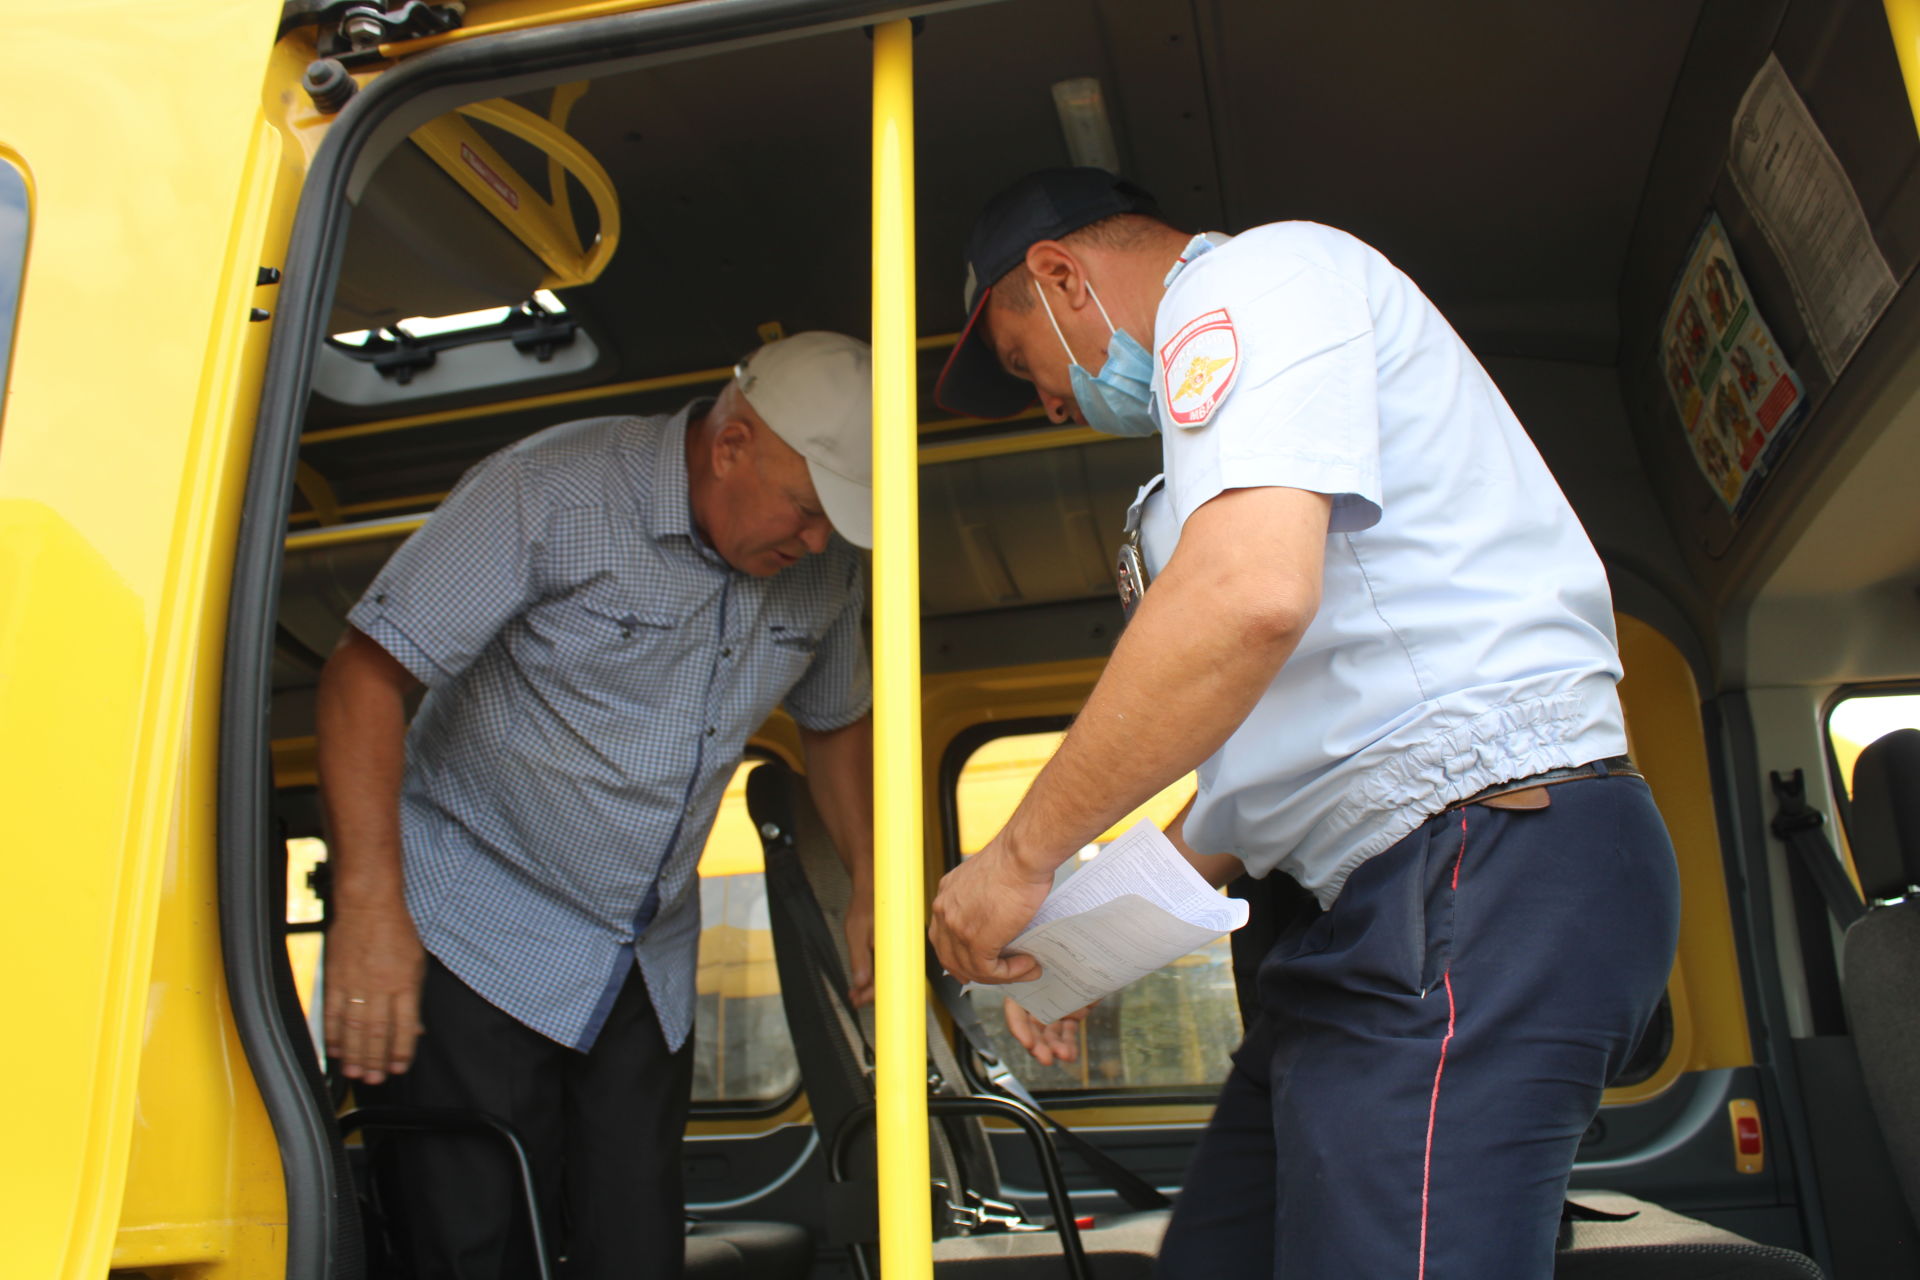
[1857,722]
[13,260]
[1173,1029]
[742,1052]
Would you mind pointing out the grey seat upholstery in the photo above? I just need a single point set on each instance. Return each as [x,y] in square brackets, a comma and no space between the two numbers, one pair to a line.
[748,1251]
[1880,957]
[1658,1244]
[804,875]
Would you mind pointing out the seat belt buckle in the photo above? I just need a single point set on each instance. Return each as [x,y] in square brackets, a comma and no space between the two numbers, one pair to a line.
[981,1215]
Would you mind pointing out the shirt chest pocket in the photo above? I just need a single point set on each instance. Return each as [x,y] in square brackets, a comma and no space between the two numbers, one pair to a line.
[788,646]
[601,649]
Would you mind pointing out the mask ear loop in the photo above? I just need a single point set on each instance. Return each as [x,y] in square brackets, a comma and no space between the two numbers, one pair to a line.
[1103,310]
[1071,358]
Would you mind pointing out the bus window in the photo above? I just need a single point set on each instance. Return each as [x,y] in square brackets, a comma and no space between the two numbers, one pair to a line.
[1857,722]
[1171,1031]
[305,914]
[13,260]
[743,1055]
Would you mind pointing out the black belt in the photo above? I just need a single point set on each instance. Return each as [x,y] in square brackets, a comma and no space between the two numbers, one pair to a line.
[1614,767]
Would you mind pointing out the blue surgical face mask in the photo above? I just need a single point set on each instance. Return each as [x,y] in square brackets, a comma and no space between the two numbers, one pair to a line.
[1119,399]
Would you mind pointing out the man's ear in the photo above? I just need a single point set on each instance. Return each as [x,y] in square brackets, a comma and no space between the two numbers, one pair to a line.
[732,445]
[1058,273]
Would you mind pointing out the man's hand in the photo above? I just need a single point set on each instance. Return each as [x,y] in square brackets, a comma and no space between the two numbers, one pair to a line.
[859,930]
[374,968]
[983,904]
[840,779]
[1046,1042]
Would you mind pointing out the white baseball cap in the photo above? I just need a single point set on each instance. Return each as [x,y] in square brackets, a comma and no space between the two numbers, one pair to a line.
[816,391]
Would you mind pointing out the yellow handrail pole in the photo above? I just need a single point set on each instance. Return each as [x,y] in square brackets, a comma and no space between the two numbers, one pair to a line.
[341,535]
[1903,18]
[900,1012]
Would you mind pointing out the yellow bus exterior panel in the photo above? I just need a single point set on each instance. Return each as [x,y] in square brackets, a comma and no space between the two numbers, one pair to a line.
[134,375]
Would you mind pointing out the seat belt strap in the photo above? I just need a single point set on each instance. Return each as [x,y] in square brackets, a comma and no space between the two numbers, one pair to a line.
[1129,1186]
[787,880]
[1798,824]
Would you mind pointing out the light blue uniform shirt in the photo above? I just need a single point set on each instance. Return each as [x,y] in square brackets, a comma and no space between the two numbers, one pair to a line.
[1465,632]
[593,671]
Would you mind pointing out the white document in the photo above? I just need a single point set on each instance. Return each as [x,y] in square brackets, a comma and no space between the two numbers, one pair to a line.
[1807,207]
[1135,908]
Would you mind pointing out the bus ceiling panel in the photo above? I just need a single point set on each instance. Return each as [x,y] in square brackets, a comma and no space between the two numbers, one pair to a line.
[293,668]
[429,458]
[741,170]
[750,208]
[1495,153]
[1575,416]
[1024,529]
[291,716]
[1024,637]
[1163,109]
[421,246]
[745,185]
[986,115]
[321,584]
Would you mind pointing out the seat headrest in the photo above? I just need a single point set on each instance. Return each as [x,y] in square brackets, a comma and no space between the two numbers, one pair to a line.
[1884,828]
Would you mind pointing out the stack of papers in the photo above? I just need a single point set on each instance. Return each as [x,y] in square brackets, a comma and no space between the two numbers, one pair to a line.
[1136,907]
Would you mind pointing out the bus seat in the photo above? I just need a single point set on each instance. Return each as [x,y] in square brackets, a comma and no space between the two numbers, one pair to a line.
[1880,956]
[747,1251]
[807,893]
[1658,1244]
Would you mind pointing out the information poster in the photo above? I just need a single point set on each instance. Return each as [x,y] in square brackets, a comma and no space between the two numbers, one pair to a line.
[1808,209]
[1735,392]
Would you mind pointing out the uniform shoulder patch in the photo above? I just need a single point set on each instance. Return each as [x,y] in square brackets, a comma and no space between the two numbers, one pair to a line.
[1197,366]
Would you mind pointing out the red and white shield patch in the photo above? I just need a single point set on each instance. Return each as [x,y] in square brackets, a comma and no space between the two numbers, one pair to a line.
[1197,366]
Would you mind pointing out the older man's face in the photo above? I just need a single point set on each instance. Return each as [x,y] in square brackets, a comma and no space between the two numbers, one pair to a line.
[768,515]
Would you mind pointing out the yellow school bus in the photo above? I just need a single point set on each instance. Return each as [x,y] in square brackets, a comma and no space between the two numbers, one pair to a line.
[272,275]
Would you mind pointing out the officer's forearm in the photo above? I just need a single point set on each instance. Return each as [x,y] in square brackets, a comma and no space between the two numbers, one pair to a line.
[840,779]
[1207,640]
[360,723]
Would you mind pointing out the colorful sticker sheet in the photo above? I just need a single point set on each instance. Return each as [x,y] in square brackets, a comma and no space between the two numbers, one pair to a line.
[1736,394]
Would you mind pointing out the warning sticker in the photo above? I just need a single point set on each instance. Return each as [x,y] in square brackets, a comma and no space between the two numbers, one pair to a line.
[1197,366]
[500,185]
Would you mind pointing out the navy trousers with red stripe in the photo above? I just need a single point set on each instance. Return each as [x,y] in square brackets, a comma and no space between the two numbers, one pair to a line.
[1430,1050]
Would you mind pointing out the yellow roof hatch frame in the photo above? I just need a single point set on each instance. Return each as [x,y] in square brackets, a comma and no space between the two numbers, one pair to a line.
[544,225]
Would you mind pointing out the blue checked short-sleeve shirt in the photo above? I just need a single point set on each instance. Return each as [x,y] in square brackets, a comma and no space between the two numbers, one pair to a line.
[593,669]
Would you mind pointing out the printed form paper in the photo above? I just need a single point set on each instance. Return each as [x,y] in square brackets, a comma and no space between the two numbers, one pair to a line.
[1137,907]
[1803,200]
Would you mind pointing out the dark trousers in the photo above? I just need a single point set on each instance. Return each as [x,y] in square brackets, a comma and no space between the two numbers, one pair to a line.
[602,1130]
[1429,1051]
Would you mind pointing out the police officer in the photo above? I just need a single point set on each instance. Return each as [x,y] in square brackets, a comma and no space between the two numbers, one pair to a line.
[1387,646]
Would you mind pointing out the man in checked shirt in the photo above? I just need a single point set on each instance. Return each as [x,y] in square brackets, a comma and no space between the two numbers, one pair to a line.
[600,615]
